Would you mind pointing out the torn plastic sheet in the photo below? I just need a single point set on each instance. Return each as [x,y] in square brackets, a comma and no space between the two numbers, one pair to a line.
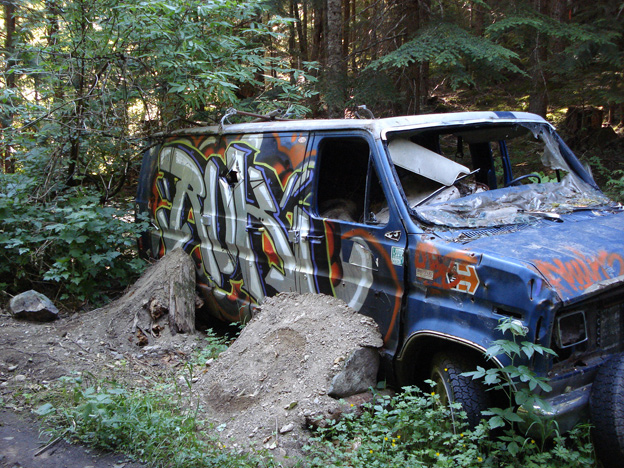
[524,204]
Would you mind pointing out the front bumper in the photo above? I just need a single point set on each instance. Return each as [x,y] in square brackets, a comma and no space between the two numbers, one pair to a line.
[566,410]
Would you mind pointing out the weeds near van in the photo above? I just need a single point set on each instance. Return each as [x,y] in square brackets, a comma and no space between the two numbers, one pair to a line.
[160,425]
[524,399]
[414,429]
[157,426]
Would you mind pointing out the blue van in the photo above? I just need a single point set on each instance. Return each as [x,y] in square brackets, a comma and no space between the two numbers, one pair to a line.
[437,226]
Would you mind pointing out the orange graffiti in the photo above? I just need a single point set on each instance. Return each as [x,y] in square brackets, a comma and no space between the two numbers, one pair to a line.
[456,270]
[333,256]
[581,272]
[270,251]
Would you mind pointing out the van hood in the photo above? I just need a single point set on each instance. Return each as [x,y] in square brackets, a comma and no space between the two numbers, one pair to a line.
[578,256]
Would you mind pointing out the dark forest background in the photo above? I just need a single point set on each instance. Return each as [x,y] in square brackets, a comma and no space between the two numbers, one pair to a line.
[83,82]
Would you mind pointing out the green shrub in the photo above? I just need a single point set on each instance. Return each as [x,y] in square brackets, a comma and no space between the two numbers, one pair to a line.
[414,429]
[71,243]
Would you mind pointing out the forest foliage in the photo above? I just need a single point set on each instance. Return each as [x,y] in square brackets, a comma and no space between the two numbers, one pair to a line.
[84,82]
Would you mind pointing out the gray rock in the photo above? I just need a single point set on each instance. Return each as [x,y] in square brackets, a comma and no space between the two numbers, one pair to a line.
[34,306]
[358,373]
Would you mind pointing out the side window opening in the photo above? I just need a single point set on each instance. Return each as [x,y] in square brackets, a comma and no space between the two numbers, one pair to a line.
[348,185]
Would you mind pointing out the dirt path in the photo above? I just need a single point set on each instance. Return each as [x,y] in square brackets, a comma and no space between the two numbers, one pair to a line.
[22,447]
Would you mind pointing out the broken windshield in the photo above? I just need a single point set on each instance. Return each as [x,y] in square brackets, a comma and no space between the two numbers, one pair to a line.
[488,175]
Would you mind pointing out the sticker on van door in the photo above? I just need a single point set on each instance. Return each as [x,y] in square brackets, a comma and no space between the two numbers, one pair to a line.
[397,256]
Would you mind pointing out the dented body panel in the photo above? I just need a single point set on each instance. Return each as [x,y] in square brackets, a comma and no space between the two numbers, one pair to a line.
[355,209]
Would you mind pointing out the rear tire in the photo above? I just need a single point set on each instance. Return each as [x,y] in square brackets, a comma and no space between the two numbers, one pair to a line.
[446,370]
[606,406]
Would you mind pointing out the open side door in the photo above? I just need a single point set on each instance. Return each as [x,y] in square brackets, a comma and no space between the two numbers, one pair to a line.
[351,239]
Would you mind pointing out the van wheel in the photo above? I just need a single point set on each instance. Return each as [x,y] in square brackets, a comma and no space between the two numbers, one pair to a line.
[606,406]
[446,370]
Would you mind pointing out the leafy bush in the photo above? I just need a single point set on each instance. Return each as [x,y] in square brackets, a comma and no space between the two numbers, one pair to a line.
[71,243]
[414,429]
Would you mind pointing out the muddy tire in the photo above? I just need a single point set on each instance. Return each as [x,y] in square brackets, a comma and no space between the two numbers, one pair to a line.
[606,407]
[446,370]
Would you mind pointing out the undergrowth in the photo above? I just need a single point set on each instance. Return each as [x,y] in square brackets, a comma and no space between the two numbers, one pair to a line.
[161,426]
[71,245]
[414,429]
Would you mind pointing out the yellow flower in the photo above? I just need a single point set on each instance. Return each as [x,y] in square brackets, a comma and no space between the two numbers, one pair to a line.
[371,451]
[437,454]
[532,441]
[479,459]
[461,435]
[385,438]
[445,369]
[399,436]
[352,405]
[432,393]
[393,444]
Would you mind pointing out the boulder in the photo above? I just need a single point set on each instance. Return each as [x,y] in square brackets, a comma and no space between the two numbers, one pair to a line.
[33,306]
[358,373]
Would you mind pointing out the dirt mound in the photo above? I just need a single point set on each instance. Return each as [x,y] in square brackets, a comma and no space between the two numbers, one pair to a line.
[279,371]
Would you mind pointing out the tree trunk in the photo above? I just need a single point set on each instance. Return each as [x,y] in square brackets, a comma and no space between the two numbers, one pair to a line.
[418,73]
[6,152]
[335,89]
[318,49]
[302,31]
[538,99]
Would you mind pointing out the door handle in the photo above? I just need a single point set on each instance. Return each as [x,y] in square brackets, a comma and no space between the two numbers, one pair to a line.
[255,229]
[313,239]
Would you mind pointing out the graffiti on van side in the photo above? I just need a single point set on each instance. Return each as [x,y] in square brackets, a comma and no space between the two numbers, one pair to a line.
[456,271]
[234,205]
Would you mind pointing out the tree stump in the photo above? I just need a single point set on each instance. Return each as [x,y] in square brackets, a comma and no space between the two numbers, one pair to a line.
[161,302]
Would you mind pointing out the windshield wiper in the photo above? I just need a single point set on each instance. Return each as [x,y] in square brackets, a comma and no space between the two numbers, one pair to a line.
[442,189]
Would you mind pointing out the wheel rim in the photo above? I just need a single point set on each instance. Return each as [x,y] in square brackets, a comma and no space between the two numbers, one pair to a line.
[442,388]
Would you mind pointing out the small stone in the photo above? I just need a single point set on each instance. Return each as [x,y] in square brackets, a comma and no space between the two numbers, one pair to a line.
[19,378]
[287,428]
[12,368]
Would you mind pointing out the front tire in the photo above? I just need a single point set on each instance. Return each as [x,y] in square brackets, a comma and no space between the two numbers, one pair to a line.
[446,370]
[606,406]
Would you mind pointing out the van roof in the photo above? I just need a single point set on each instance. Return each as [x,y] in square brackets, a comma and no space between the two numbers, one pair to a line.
[378,127]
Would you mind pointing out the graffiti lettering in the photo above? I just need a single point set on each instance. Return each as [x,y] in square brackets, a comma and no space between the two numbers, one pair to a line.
[581,272]
[234,205]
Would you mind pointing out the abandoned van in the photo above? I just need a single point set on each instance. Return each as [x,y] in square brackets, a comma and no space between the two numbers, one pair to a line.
[437,226]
